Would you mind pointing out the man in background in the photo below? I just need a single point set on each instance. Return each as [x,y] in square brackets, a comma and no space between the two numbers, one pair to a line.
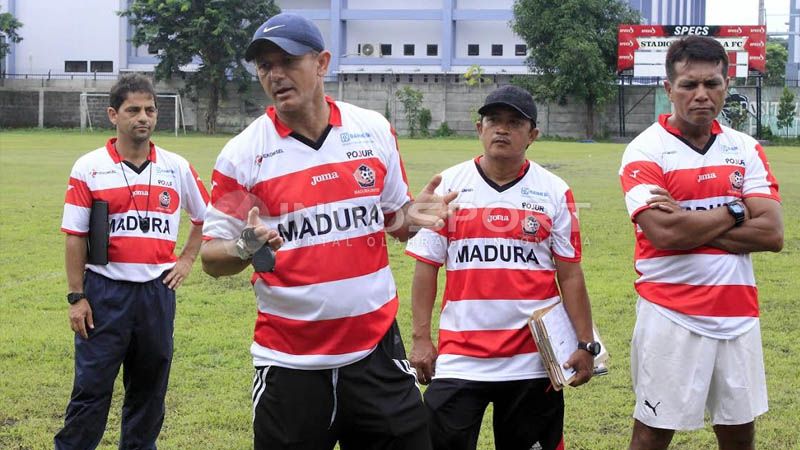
[123,312]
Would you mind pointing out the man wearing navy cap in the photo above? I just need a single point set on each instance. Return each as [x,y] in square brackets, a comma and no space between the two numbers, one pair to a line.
[512,244]
[322,183]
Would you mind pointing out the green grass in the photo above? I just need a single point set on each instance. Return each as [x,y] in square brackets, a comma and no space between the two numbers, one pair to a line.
[208,405]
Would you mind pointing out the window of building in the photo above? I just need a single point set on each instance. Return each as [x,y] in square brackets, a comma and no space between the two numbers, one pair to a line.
[152,50]
[433,49]
[386,49]
[473,49]
[411,78]
[497,49]
[408,49]
[425,78]
[520,50]
[75,66]
[102,66]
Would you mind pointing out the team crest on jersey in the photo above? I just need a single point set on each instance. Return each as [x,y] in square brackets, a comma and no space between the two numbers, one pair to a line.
[530,225]
[365,176]
[737,180]
[164,199]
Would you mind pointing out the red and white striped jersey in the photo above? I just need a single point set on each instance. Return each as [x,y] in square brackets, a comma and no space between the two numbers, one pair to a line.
[331,296]
[498,251]
[705,289]
[168,184]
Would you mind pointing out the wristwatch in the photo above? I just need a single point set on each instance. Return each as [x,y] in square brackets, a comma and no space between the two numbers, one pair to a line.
[736,209]
[593,347]
[74,297]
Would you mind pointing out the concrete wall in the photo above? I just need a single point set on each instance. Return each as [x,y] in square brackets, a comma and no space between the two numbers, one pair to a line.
[448,97]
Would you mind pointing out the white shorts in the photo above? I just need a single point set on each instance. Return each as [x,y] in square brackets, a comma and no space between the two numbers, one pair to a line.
[678,374]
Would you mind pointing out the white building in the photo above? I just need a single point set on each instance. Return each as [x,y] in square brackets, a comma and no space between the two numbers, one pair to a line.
[80,38]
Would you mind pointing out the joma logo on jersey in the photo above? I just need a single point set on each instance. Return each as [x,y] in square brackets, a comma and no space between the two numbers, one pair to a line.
[324,177]
[491,253]
[139,193]
[323,223]
[497,217]
[706,177]
[131,223]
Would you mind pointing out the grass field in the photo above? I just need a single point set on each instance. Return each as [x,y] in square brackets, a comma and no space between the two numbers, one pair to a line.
[208,404]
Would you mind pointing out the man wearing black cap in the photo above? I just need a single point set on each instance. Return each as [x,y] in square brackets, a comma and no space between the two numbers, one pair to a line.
[514,235]
[323,182]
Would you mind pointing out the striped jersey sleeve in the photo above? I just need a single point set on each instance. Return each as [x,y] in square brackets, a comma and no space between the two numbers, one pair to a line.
[566,234]
[639,174]
[77,202]
[194,197]
[395,192]
[758,179]
[427,245]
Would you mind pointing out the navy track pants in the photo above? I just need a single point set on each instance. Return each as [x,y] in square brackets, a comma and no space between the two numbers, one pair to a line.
[133,327]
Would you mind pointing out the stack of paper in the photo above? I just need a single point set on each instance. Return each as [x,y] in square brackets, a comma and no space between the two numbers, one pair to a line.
[556,339]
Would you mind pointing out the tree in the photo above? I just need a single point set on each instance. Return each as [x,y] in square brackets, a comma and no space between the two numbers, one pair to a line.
[777,54]
[572,48]
[8,28]
[214,33]
[412,104]
[474,75]
[786,110]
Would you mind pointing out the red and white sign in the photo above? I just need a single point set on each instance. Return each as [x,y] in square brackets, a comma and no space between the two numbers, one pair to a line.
[643,48]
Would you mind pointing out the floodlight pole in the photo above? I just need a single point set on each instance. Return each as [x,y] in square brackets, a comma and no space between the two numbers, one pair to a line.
[758,106]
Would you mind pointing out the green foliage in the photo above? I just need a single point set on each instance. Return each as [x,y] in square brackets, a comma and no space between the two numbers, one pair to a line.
[208,401]
[777,54]
[572,48]
[425,119]
[386,112]
[737,114]
[411,99]
[444,130]
[8,28]
[786,110]
[474,75]
[212,33]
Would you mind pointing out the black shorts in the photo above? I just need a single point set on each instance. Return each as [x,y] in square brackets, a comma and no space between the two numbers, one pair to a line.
[526,412]
[373,403]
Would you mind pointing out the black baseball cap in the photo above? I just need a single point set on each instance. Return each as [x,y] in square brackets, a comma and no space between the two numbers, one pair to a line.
[293,33]
[512,96]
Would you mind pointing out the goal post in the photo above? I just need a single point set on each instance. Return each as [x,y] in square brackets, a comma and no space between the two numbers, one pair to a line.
[93,114]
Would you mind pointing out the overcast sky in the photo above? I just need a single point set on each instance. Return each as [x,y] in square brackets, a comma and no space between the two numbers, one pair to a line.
[745,12]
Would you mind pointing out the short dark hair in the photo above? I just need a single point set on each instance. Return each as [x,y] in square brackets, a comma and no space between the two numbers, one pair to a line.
[695,48]
[130,82]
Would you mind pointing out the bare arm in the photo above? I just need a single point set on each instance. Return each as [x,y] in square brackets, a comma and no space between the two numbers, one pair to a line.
[669,227]
[75,256]
[220,257]
[763,231]
[427,211]
[423,296]
[576,301]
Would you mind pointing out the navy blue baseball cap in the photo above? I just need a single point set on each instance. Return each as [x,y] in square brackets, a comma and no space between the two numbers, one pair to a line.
[512,96]
[293,33]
